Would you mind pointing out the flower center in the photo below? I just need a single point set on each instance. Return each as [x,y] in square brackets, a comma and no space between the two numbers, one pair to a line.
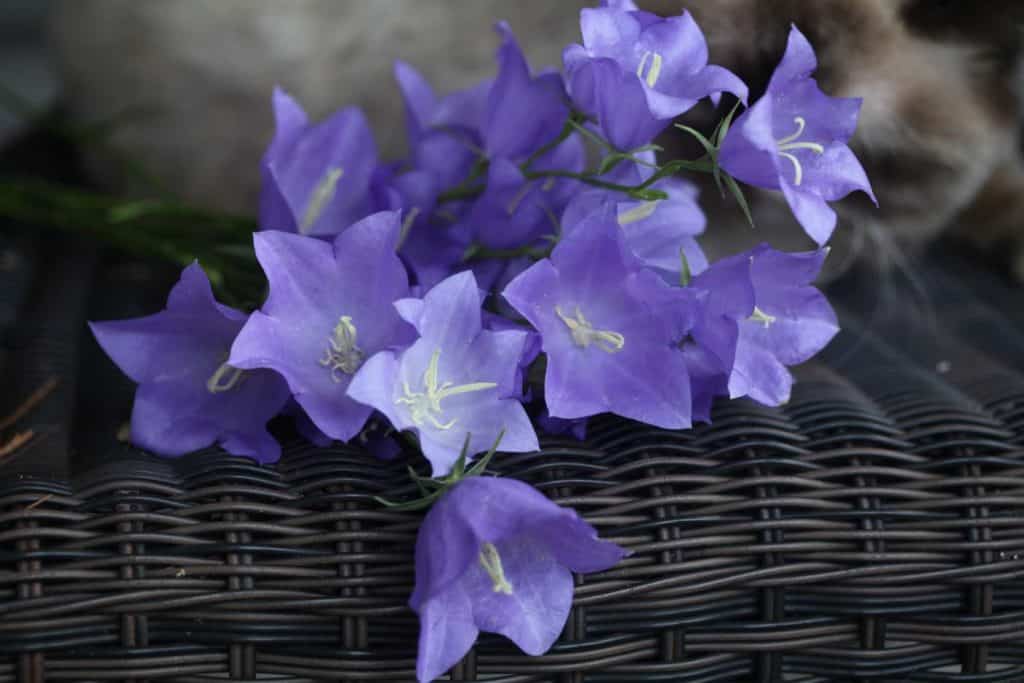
[491,562]
[638,213]
[791,143]
[584,334]
[342,355]
[759,316]
[321,196]
[425,406]
[225,378]
[655,68]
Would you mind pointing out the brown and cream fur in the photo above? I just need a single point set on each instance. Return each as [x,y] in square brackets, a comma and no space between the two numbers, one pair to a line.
[939,129]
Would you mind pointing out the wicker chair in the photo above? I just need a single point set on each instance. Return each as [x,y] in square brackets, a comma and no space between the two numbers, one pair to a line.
[871,530]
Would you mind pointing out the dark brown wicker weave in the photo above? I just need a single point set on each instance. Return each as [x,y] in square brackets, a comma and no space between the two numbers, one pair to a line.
[871,530]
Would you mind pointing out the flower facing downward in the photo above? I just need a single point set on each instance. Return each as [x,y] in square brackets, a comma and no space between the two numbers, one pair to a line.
[610,345]
[315,177]
[635,71]
[189,396]
[329,309]
[496,555]
[457,381]
[794,139]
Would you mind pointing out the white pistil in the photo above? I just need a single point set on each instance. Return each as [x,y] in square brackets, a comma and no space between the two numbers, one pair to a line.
[584,334]
[759,316]
[791,143]
[638,213]
[321,196]
[654,71]
[342,354]
[490,560]
[225,378]
[425,405]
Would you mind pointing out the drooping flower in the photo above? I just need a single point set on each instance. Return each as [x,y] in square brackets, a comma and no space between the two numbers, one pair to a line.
[328,310]
[761,314]
[794,139]
[315,177]
[189,397]
[456,382]
[495,555]
[610,345]
[656,231]
[636,72]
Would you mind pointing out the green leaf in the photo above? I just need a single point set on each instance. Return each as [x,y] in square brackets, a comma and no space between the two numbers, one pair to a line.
[704,142]
[684,272]
[648,195]
[737,193]
[480,465]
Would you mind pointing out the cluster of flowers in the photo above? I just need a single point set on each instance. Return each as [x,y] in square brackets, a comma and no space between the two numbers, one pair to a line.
[426,292]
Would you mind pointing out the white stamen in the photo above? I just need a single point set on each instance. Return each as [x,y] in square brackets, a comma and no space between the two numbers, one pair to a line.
[654,71]
[425,406]
[790,142]
[584,334]
[225,378]
[491,562]
[638,213]
[321,196]
[760,316]
[342,354]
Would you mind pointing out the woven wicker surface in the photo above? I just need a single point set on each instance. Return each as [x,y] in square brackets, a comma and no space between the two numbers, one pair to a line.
[871,530]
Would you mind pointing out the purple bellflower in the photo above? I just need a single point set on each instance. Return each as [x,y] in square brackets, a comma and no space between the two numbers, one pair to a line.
[457,381]
[496,555]
[794,139]
[328,310]
[188,396]
[636,72]
[760,315]
[315,178]
[610,346]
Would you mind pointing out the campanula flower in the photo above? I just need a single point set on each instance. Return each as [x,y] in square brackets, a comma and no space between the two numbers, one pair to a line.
[794,139]
[457,381]
[760,314]
[610,345]
[635,72]
[315,177]
[329,309]
[496,555]
[189,397]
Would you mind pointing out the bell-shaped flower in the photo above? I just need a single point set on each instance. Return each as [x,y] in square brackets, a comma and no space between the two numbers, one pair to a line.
[794,139]
[189,397]
[610,345]
[315,177]
[496,555]
[329,309]
[457,382]
[635,72]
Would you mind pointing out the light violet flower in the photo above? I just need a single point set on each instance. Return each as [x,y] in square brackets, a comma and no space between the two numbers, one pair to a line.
[315,178]
[457,381]
[794,139]
[496,555]
[188,396]
[635,72]
[610,344]
[329,309]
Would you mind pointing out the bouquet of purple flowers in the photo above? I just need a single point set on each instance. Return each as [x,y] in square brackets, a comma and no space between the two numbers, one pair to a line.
[530,264]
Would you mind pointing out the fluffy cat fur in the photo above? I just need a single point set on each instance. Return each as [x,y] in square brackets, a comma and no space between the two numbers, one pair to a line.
[939,130]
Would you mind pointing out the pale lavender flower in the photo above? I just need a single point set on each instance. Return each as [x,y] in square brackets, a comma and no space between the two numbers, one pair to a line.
[189,397]
[794,139]
[329,309]
[495,555]
[456,382]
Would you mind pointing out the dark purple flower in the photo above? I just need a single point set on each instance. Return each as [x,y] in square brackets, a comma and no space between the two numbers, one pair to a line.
[188,396]
[761,314]
[610,345]
[329,308]
[316,177]
[636,72]
[495,555]
[794,139]
[557,426]
[457,381]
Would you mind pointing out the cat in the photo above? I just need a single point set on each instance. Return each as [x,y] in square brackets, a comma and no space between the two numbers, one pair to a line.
[939,132]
